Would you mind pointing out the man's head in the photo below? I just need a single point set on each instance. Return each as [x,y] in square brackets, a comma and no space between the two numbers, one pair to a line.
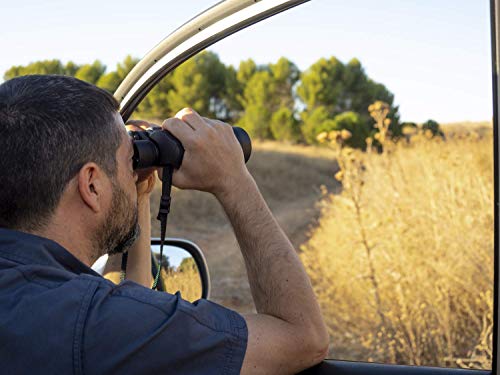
[62,142]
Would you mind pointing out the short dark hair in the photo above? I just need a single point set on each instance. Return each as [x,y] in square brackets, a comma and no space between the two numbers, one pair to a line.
[50,126]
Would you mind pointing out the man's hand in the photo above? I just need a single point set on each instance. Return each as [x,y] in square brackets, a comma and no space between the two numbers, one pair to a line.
[213,158]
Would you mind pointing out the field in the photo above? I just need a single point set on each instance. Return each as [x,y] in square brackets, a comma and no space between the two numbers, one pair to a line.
[399,251]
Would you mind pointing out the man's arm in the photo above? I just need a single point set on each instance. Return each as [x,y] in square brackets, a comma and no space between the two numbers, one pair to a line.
[288,333]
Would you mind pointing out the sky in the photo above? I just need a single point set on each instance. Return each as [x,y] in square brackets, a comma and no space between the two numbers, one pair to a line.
[433,55]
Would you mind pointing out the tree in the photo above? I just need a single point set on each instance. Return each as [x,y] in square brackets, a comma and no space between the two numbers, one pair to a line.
[38,67]
[232,96]
[285,75]
[322,85]
[340,88]
[91,72]
[256,98]
[124,68]
[267,91]
[284,126]
[112,80]
[155,105]
[246,70]
[199,83]
[109,81]
[71,68]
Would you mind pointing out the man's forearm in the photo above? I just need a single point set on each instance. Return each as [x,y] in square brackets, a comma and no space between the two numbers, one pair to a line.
[279,283]
[139,258]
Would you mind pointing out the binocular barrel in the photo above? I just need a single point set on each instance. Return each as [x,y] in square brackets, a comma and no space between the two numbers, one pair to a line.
[159,148]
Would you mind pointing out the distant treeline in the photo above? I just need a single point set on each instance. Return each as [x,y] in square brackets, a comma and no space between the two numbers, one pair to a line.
[271,101]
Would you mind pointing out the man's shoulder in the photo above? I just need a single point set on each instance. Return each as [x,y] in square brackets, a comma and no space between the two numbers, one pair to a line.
[138,323]
[130,296]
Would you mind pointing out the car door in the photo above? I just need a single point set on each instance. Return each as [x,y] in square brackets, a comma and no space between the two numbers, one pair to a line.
[229,17]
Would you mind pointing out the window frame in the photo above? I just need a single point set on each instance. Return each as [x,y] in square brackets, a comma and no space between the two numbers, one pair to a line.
[495,55]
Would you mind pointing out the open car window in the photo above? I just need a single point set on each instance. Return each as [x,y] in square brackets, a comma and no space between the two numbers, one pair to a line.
[373,147]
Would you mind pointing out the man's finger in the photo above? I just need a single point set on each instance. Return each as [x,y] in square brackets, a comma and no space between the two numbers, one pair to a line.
[133,128]
[215,122]
[179,129]
[139,125]
[209,121]
[192,118]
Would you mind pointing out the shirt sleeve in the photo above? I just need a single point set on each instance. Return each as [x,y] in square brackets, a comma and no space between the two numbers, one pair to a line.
[134,330]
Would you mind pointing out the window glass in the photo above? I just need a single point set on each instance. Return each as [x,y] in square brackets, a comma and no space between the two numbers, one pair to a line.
[371,124]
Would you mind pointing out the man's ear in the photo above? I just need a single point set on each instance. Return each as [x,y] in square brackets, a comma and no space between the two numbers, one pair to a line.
[93,185]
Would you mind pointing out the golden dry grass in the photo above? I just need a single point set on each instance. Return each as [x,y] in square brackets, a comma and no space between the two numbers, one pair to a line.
[465,129]
[402,259]
[187,282]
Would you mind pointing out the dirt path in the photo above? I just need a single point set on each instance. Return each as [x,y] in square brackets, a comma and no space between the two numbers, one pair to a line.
[229,279]
[227,270]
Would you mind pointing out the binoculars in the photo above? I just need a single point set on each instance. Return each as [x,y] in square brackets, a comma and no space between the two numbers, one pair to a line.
[159,148]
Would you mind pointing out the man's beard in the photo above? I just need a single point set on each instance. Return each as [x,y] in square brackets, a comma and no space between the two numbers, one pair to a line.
[121,228]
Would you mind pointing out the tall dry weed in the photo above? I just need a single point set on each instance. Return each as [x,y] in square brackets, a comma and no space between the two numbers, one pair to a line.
[402,259]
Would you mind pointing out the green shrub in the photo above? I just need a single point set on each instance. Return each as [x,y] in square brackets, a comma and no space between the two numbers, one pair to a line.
[433,127]
[315,122]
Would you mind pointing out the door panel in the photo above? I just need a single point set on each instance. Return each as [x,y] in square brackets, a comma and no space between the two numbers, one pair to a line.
[359,368]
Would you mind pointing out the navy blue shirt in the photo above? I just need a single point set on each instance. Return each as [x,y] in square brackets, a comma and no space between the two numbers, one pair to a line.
[58,316]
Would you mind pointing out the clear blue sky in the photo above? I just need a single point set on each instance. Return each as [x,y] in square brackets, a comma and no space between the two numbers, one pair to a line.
[434,55]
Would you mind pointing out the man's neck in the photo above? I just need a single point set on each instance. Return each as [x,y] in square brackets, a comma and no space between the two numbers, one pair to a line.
[72,239]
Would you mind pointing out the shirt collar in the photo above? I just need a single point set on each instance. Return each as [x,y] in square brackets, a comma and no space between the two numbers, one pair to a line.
[31,249]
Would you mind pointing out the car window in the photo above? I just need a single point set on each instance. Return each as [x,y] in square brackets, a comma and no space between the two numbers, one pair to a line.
[372,134]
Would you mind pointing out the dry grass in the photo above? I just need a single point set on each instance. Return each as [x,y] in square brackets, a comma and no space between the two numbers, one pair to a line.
[187,282]
[466,129]
[402,259]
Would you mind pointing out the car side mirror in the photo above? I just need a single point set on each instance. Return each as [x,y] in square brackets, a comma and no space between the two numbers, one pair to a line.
[183,268]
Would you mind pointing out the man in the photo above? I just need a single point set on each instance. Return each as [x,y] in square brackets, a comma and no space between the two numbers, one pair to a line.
[68,194]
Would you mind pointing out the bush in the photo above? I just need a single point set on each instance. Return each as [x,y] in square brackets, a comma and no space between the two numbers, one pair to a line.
[433,128]
[358,128]
[315,122]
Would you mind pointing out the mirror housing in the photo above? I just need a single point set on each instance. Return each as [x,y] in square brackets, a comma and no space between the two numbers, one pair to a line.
[194,251]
